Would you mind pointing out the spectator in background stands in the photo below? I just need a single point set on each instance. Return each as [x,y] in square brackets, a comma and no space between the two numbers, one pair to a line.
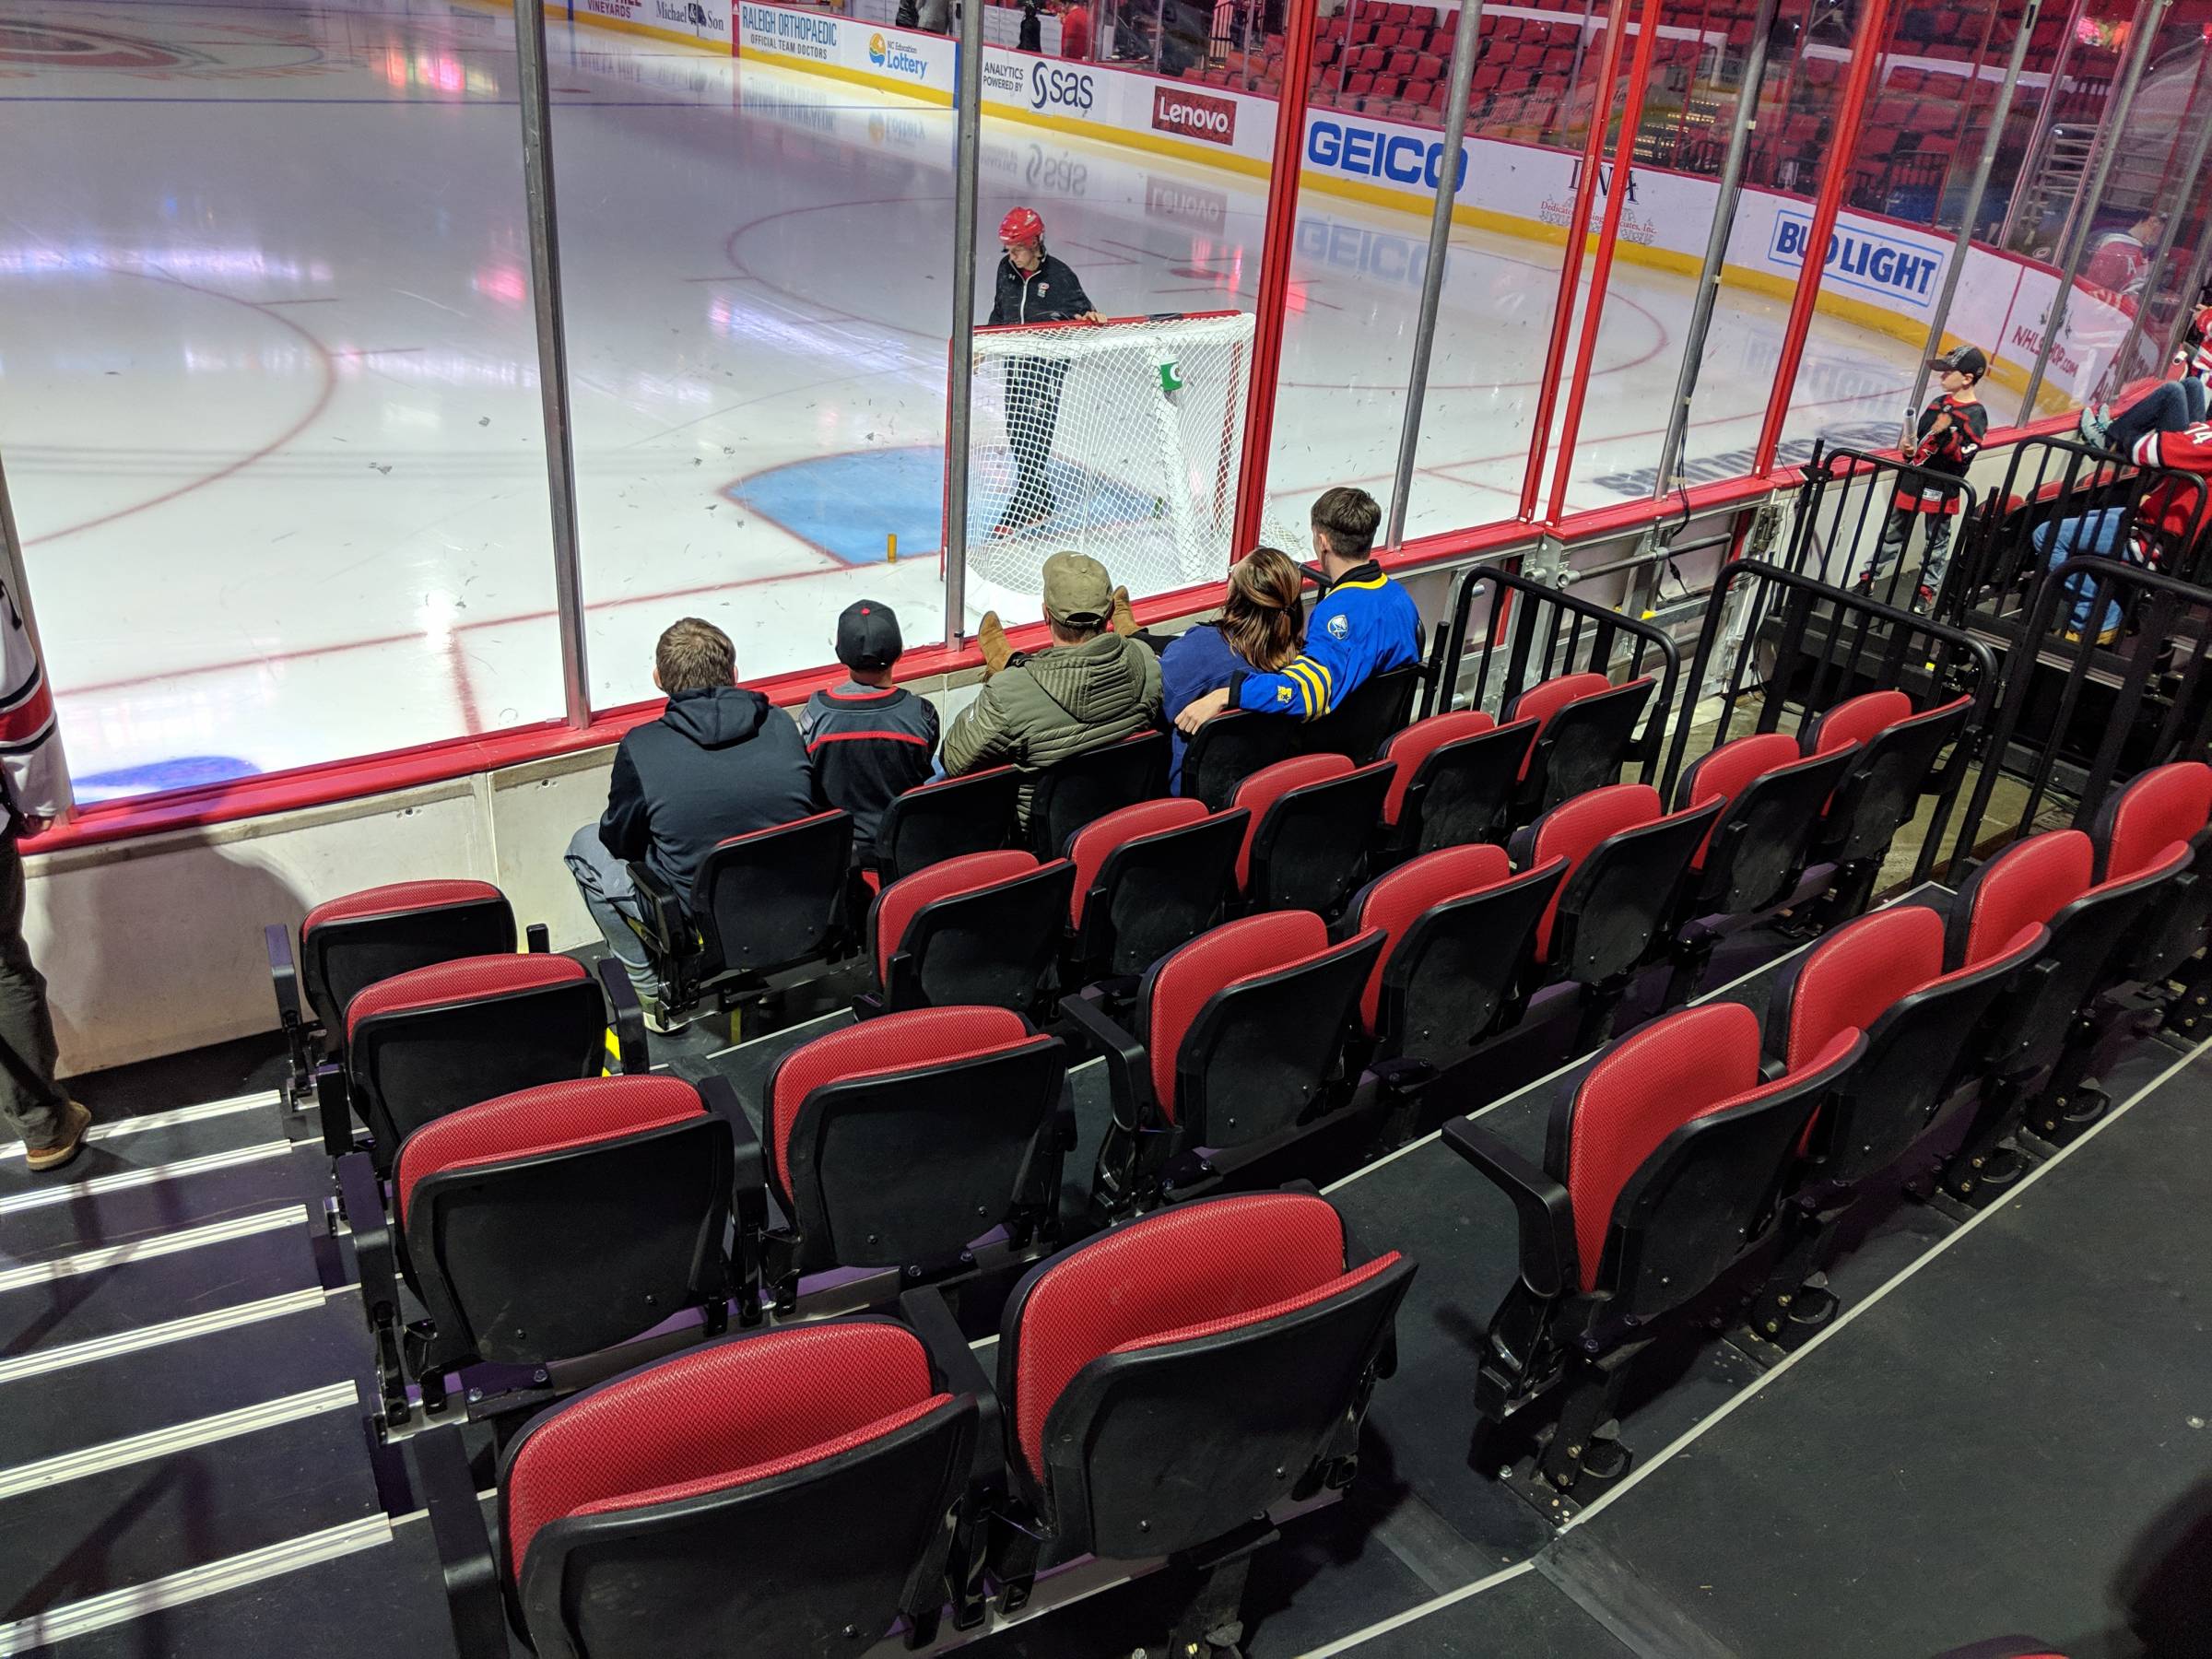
[1094,686]
[869,740]
[1362,624]
[2181,402]
[50,1124]
[1261,631]
[1030,36]
[1075,30]
[2120,263]
[719,761]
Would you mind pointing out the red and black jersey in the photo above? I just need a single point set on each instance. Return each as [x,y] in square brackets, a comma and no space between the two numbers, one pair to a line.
[1949,452]
[2175,510]
[867,745]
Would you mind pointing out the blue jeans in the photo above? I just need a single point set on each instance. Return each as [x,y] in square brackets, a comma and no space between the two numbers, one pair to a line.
[2173,407]
[2096,532]
[604,881]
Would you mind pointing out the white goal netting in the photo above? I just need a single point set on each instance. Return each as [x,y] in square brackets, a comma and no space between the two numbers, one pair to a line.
[1118,440]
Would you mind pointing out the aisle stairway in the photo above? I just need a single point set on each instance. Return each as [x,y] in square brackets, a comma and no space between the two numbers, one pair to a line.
[187,1466]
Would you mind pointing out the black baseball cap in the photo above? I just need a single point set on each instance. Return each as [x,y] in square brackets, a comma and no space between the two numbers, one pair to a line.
[867,636]
[1966,360]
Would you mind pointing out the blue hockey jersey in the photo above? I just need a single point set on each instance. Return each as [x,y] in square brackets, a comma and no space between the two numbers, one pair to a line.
[1362,625]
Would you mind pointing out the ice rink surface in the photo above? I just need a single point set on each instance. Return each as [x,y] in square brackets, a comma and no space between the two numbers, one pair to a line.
[268,381]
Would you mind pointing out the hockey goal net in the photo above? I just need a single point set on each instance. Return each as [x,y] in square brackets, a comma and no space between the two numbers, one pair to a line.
[1119,440]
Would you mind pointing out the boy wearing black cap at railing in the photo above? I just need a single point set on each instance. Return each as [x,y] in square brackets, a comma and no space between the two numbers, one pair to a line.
[1945,442]
[868,739]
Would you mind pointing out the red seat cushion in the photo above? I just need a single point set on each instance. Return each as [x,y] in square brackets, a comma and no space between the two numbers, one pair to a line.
[896,905]
[398,898]
[1855,973]
[2166,803]
[1573,829]
[1219,1263]
[1211,963]
[552,1117]
[2024,886]
[1726,772]
[895,1043]
[1397,900]
[1670,1072]
[1269,785]
[1417,742]
[1097,839]
[1859,720]
[461,980]
[716,1418]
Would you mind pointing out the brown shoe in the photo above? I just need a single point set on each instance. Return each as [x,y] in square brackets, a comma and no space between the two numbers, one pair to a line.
[1125,615]
[74,1122]
[990,640]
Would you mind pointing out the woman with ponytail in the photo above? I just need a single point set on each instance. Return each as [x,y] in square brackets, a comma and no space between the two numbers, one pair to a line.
[1261,629]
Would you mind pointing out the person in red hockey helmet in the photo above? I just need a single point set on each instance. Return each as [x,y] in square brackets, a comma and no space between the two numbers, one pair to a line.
[1033,287]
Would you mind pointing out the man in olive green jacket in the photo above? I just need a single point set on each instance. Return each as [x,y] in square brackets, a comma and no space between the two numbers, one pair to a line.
[1092,688]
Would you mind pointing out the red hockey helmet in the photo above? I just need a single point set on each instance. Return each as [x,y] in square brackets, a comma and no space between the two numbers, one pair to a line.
[1022,224]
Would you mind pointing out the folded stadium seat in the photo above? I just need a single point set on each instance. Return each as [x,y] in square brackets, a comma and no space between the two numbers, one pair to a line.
[837,1461]
[1894,765]
[1585,725]
[1235,1047]
[1660,1173]
[1461,936]
[1455,777]
[2165,805]
[1148,879]
[1401,62]
[1231,747]
[545,1226]
[1626,864]
[1429,67]
[1418,95]
[763,903]
[1090,785]
[1313,818]
[980,929]
[945,819]
[1882,974]
[349,942]
[433,1040]
[1438,91]
[900,1143]
[1170,1384]
[1386,37]
[1772,795]
[2045,880]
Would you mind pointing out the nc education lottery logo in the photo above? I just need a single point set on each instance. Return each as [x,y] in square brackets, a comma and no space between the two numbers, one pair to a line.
[893,54]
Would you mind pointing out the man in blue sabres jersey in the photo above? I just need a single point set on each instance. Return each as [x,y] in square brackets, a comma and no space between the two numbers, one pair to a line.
[1362,624]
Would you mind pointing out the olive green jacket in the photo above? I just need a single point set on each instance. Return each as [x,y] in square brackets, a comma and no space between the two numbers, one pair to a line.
[1057,703]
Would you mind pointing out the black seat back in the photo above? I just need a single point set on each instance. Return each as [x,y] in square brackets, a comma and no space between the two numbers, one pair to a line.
[946,818]
[1362,726]
[1763,838]
[1584,745]
[1880,789]
[1458,792]
[1231,747]
[774,898]
[1309,848]
[347,944]
[1086,787]
[992,946]
[1151,893]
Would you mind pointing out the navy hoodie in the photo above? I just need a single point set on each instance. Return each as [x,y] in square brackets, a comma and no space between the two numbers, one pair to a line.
[716,763]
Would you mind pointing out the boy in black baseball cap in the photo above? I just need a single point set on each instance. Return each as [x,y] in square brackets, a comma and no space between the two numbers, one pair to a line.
[869,740]
[1945,442]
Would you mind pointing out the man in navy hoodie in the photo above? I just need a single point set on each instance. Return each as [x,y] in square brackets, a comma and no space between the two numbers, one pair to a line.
[719,761]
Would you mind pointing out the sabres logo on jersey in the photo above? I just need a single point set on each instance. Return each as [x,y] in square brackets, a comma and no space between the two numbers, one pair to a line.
[1282,694]
[1339,627]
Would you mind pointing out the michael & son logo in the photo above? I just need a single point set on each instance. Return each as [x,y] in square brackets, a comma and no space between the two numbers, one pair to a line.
[1060,88]
[889,52]
[1365,152]
[1861,259]
[1194,115]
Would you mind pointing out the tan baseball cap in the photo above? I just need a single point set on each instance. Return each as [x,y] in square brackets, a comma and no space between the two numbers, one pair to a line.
[1076,590]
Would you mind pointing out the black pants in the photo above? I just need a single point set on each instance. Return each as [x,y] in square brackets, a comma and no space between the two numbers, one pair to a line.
[1032,414]
[30,1103]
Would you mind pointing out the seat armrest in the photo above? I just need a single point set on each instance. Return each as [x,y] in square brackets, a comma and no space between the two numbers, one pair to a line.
[284,974]
[626,1015]
[334,1105]
[663,922]
[967,1563]
[465,1552]
[1128,1072]
[537,939]
[364,1196]
[748,1194]
[1546,1214]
